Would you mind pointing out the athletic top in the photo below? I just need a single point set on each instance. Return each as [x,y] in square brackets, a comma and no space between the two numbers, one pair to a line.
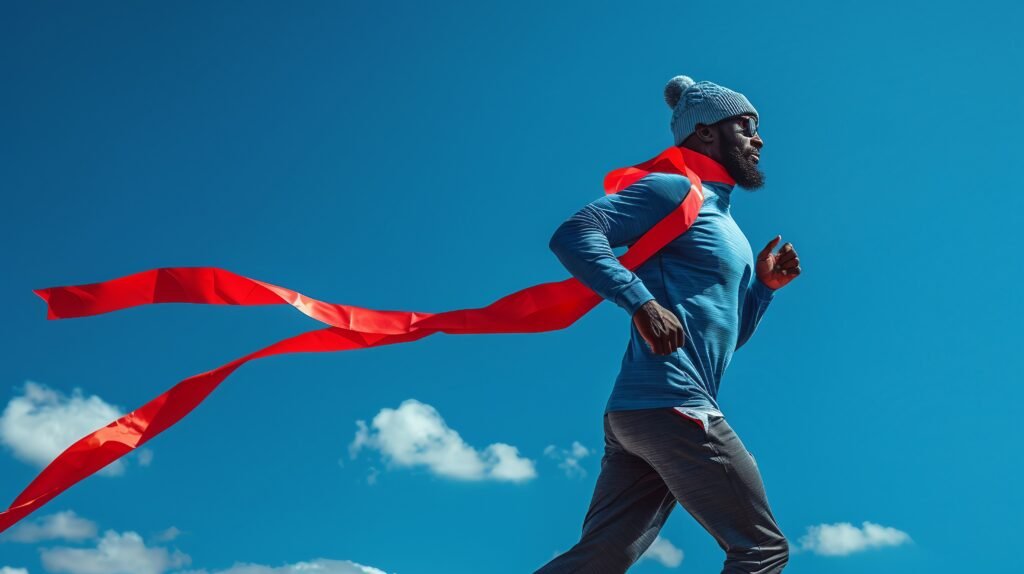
[705,276]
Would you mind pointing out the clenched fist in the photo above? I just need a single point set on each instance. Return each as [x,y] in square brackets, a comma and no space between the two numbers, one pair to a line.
[659,327]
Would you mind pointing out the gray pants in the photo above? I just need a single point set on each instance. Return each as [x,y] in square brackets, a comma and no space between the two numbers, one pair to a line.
[655,457]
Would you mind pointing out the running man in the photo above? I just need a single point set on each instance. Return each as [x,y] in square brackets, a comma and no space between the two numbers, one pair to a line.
[692,305]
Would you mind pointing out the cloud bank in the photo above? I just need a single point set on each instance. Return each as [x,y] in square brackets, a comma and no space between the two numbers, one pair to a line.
[318,566]
[60,526]
[114,554]
[127,553]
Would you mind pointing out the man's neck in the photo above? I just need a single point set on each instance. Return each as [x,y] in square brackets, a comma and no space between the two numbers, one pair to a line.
[707,168]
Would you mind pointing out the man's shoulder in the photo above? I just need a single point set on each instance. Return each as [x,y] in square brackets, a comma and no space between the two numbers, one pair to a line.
[664,176]
[674,186]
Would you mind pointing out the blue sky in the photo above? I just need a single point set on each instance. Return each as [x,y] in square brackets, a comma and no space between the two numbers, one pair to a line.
[418,156]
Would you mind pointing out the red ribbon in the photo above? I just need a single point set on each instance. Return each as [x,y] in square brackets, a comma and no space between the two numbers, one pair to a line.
[544,307]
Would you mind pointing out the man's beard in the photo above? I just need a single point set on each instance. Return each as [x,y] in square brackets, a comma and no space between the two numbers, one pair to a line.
[742,169]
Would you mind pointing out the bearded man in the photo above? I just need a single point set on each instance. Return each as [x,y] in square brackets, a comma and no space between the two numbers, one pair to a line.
[692,304]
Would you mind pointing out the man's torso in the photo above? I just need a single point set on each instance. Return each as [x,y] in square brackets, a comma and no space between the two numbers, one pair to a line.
[702,276]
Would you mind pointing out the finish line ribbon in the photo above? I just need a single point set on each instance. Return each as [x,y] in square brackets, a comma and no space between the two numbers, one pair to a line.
[543,307]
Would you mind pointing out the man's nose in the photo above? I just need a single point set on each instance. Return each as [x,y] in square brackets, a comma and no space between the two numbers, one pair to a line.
[756,141]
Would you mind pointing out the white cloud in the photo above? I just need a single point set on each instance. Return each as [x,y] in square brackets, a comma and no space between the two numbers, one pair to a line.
[318,566]
[60,526]
[663,551]
[114,554]
[569,459]
[41,423]
[10,570]
[843,538]
[414,434]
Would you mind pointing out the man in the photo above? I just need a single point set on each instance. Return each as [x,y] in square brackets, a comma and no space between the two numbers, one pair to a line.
[693,304]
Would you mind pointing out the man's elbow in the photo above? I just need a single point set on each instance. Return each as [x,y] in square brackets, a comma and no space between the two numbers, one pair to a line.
[558,239]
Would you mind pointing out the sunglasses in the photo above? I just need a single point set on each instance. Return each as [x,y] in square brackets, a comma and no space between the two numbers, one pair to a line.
[748,126]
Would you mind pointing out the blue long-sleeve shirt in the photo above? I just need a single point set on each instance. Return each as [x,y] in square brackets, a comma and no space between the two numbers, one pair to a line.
[705,276]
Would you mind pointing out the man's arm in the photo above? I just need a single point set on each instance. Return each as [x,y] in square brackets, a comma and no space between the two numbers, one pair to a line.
[755,304]
[584,245]
[584,242]
[772,271]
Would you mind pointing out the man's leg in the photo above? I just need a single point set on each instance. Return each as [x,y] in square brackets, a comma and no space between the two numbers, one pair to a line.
[713,476]
[629,506]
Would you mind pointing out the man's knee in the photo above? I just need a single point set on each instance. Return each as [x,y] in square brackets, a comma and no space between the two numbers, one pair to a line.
[773,555]
[780,552]
[766,558]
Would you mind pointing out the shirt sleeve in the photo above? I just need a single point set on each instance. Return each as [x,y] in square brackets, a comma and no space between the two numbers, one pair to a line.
[755,304]
[584,242]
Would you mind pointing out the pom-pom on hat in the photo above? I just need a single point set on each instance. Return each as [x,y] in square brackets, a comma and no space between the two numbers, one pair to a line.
[705,103]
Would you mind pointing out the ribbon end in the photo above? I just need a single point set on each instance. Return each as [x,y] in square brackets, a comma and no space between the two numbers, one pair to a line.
[44,294]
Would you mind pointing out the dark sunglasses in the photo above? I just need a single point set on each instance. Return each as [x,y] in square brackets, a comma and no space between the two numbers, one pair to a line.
[748,125]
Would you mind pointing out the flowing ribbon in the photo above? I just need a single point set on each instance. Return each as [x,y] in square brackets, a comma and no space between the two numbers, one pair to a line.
[543,307]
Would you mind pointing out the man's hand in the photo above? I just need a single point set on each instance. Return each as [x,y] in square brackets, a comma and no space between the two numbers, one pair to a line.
[659,327]
[777,269]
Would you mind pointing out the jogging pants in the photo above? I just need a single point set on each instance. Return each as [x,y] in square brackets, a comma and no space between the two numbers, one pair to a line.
[656,457]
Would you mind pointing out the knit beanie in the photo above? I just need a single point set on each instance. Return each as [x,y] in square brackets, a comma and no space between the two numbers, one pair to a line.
[705,103]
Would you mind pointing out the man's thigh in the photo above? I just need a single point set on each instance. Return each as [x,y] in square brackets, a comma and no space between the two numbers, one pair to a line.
[629,497]
[709,472]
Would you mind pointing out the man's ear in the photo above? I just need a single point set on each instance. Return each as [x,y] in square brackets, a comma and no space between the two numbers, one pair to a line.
[704,133]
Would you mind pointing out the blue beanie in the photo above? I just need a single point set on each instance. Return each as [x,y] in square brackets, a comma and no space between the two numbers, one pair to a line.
[705,103]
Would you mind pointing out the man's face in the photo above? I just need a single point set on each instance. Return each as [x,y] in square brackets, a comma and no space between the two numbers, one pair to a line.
[740,151]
